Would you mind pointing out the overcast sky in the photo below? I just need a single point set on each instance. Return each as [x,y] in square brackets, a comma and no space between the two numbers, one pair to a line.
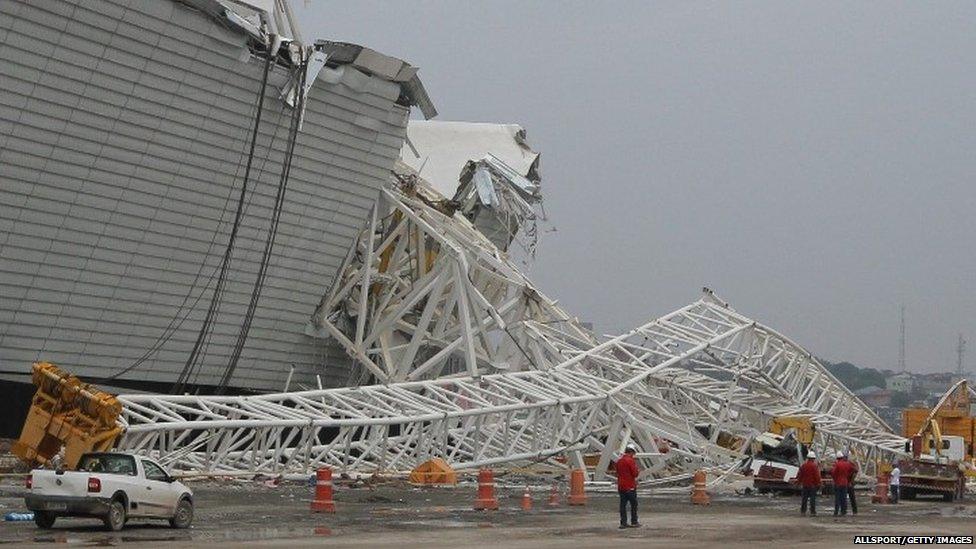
[811,162]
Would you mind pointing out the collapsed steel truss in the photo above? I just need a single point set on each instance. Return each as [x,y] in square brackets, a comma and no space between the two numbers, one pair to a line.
[478,367]
[685,378]
[425,288]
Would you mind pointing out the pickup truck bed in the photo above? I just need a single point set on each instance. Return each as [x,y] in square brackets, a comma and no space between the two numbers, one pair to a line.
[75,506]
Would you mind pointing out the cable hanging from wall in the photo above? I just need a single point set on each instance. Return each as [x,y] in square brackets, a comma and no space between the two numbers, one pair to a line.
[269,244]
[206,328]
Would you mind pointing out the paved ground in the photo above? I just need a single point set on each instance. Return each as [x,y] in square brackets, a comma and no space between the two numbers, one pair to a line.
[396,515]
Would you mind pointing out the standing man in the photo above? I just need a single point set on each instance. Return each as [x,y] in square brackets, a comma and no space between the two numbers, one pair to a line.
[850,484]
[627,486]
[895,483]
[841,473]
[809,480]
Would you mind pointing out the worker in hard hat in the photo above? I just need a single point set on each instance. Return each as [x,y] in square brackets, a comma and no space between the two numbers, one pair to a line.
[895,483]
[841,474]
[809,480]
[627,471]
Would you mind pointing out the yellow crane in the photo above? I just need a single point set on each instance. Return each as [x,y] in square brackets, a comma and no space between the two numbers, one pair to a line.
[65,412]
[951,415]
[802,426]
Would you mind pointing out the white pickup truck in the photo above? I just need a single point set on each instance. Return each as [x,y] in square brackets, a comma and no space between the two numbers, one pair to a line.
[110,486]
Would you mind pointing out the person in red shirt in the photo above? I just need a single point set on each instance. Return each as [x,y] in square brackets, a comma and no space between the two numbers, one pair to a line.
[627,472]
[841,473]
[809,480]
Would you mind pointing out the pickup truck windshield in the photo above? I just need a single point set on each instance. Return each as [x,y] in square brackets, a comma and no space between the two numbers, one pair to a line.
[108,463]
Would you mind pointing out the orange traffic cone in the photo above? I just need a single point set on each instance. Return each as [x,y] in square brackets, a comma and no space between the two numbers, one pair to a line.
[526,500]
[576,494]
[323,492]
[486,491]
[881,489]
[554,496]
[698,495]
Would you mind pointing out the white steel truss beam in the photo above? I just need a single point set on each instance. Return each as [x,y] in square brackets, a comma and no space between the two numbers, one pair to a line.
[681,379]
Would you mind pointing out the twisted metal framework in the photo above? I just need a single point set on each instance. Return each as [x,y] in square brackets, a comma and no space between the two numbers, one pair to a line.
[478,367]
[684,379]
[748,374]
[425,294]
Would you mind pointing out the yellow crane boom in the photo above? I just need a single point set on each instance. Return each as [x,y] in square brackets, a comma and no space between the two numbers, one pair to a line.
[66,413]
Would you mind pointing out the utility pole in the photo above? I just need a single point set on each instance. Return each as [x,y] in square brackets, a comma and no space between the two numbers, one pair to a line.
[960,351]
[901,347]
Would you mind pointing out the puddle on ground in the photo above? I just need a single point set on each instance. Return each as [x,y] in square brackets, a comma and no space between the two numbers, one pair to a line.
[269,533]
[957,511]
[437,523]
[948,511]
[107,540]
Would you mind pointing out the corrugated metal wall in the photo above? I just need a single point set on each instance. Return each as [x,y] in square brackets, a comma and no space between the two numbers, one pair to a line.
[124,128]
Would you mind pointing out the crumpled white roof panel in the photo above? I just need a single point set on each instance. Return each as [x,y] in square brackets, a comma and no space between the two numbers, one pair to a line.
[441,149]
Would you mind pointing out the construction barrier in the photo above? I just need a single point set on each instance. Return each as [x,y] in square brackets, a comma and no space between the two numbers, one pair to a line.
[323,492]
[486,491]
[577,495]
[526,500]
[881,489]
[699,496]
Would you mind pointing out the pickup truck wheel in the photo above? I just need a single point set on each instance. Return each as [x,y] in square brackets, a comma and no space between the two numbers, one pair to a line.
[43,519]
[115,519]
[183,516]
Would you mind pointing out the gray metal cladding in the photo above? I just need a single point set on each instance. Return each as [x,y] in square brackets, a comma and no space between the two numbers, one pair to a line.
[124,127]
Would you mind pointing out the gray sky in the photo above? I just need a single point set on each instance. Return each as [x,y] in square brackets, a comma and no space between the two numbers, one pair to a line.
[811,162]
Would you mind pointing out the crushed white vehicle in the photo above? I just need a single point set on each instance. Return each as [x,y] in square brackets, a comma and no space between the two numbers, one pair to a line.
[113,487]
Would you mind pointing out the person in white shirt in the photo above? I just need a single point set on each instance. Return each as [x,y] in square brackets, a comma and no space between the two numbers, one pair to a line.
[895,483]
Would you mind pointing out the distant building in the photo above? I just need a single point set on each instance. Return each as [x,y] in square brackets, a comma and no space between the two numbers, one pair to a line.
[935,383]
[875,397]
[902,383]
